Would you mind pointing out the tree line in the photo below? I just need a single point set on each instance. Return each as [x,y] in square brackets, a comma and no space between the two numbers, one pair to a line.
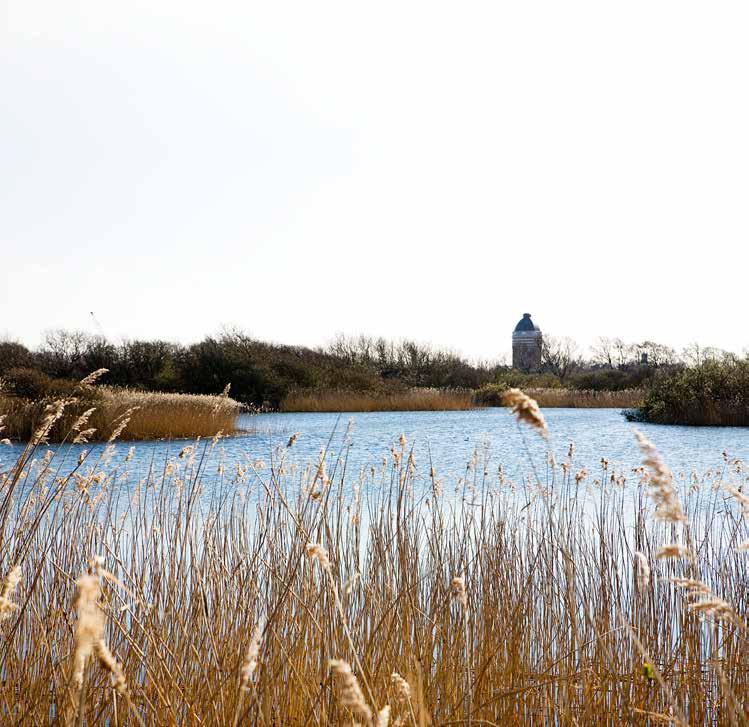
[263,373]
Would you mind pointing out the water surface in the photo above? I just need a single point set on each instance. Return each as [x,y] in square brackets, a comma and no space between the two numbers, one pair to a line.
[447,440]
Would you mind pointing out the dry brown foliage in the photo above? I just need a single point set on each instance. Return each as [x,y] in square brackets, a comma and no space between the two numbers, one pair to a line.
[510,604]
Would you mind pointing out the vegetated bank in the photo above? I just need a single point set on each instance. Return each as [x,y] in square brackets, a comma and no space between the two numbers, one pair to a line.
[394,400]
[560,600]
[450,399]
[94,413]
[701,386]
[559,397]
[265,375]
[714,393]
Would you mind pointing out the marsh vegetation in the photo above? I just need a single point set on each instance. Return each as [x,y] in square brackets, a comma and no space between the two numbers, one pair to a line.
[307,594]
[712,393]
[268,375]
[98,413]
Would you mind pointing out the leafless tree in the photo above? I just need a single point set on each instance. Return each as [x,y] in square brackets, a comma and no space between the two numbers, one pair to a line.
[658,354]
[696,355]
[604,352]
[559,356]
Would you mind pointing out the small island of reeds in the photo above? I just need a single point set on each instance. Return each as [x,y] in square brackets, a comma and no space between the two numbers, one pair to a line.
[100,413]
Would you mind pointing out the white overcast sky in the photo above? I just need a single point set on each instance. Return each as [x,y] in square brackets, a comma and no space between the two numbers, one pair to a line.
[430,170]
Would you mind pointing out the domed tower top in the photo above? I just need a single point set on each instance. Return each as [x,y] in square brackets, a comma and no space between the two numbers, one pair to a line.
[526,324]
[527,345]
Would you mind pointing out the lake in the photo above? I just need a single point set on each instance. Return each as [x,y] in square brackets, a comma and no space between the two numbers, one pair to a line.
[449,439]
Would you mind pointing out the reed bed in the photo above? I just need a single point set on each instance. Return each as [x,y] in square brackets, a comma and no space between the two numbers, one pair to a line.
[585,399]
[148,415]
[351,401]
[285,593]
[450,399]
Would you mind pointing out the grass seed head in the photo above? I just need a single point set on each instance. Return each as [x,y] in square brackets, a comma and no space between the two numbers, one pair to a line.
[249,665]
[458,588]
[318,553]
[642,570]
[10,582]
[93,377]
[351,696]
[660,482]
[401,687]
[383,717]
[525,410]
[90,626]
[672,550]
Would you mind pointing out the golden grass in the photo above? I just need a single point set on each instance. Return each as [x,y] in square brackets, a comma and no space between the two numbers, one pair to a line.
[559,398]
[447,399]
[150,415]
[290,595]
[408,400]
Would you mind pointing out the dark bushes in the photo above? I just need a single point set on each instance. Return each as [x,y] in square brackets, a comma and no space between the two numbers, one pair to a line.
[612,379]
[259,372]
[33,384]
[490,394]
[715,393]
[262,373]
[13,356]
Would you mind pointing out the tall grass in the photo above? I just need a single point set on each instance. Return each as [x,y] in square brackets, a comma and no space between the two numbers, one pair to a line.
[408,400]
[557,398]
[150,415]
[450,399]
[284,594]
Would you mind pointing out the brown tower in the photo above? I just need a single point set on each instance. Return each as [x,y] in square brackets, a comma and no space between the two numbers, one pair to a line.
[526,345]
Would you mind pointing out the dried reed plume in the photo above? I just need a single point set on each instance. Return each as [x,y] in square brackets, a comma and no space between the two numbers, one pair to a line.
[122,421]
[741,498]
[248,668]
[383,717]
[691,586]
[715,607]
[661,483]
[458,590]
[673,550]
[109,663]
[401,687]
[10,582]
[88,640]
[706,602]
[525,410]
[93,377]
[351,696]
[318,553]
[52,413]
[249,665]
[642,570]
[83,435]
[88,631]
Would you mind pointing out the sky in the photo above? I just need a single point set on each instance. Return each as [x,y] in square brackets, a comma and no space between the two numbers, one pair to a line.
[406,169]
